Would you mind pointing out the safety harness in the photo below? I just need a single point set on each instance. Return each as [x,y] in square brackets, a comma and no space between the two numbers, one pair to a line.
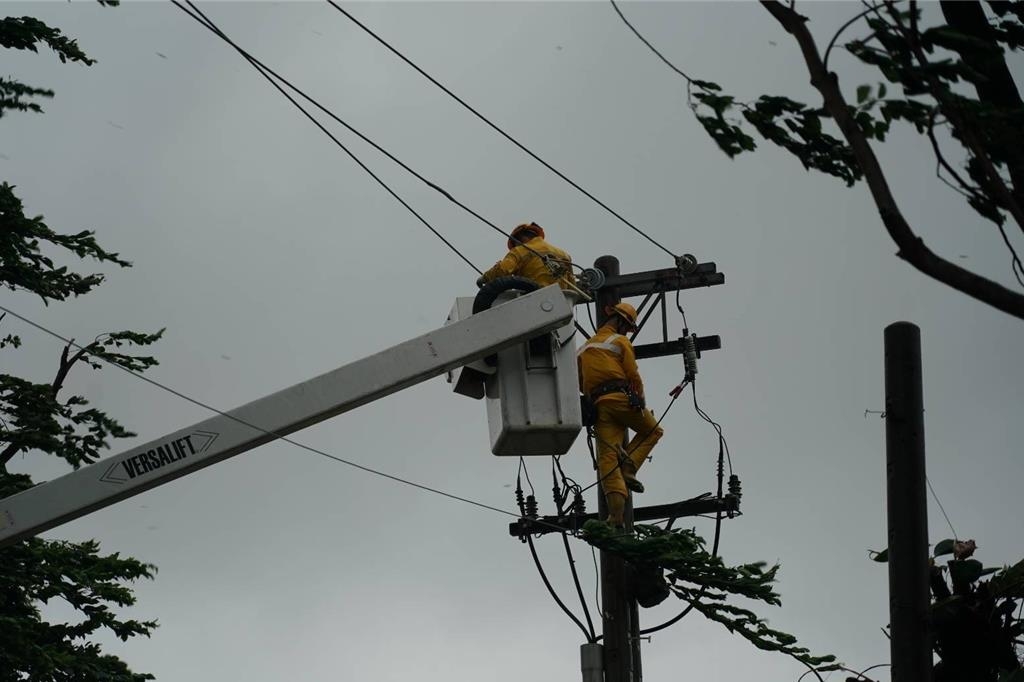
[614,385]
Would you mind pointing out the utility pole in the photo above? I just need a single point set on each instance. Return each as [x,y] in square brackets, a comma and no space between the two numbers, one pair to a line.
[909,645]
[619,610]
[621,618]
[620,653]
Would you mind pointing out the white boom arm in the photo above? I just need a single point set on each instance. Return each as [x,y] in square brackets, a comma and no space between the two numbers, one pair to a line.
[279,414]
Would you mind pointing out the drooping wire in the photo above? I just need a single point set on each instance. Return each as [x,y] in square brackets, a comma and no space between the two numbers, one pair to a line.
[286,439]
[591,638]
[499,130]
[714,550]
[266,73]
[579,587]
[525,511]
[723,450]
[941,508]
[718,427]
[649,45]
[524,470]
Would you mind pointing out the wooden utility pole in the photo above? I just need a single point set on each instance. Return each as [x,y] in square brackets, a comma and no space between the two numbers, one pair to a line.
[910,644]
[618,609]
[621,619]
[620,653]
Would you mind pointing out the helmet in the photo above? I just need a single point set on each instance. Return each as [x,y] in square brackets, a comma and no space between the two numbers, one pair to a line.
[624,311]
[523,232]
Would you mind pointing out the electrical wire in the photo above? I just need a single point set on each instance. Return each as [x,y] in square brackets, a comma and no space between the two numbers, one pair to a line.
[723,449]
[523,469]
[649,45]
[679,307]
[579,587]
[270,75]
[591,638]
[718,427]
[499,130]
[203,20]
[267,72]
[941,508]
[286,439]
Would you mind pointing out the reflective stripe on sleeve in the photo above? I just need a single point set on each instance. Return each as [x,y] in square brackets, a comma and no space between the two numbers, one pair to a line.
[603,345]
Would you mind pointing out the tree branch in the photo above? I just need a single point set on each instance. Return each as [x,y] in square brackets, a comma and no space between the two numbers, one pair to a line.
[952,112]
[999,88]
[911,247]
[66,363]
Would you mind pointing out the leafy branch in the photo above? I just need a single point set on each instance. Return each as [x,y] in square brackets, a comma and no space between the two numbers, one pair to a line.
[38,420]
[705,581]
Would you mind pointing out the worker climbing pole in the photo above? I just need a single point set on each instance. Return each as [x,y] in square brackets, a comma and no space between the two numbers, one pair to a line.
[611,371]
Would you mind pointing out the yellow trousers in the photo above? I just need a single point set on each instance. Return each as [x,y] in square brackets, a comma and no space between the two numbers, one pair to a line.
[614,416]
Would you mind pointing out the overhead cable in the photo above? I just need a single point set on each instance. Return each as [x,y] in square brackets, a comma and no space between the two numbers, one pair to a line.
[500,131]
[263,70]
[270,75]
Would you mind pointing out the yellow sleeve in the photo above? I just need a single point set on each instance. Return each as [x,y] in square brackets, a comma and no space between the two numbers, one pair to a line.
[506,266]
[629,366]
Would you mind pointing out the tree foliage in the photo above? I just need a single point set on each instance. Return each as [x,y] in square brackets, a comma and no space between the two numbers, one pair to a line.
[947,81]
[697,577]
[977,631]
[37,420]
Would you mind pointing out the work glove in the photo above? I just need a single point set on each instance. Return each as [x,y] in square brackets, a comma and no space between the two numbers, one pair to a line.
[480,281]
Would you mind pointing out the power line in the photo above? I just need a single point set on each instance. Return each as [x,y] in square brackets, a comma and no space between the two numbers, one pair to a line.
[286,439]
[267,72]
[941,508]
[207,23]
[649,45]
[499,130]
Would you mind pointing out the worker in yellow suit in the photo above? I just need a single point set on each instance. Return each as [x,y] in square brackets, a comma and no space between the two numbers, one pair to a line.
[530,256]
[610,379]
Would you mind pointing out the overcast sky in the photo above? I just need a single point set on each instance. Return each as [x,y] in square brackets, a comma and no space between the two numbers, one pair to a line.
[271,257]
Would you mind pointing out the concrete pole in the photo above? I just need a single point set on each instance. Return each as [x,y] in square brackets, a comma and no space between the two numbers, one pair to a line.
[619,610]
[909,603]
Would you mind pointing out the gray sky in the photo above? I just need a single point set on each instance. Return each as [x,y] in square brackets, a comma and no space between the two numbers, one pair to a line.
[270,257]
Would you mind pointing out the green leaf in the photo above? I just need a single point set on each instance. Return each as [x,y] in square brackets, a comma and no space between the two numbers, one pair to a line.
[881,90]
[966,571]
[881,557]
[706,85]
[944,547]
[862,93]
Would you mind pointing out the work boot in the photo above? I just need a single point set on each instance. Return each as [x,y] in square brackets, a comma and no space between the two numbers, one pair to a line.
[616,509]
[629,472]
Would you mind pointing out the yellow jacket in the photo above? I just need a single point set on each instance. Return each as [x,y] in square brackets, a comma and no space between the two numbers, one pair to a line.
[526,261]
[607,356]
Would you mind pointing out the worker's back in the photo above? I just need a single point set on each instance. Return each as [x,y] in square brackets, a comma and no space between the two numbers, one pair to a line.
[542,262]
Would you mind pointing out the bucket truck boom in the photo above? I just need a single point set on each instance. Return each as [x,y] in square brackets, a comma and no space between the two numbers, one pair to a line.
[231,433]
